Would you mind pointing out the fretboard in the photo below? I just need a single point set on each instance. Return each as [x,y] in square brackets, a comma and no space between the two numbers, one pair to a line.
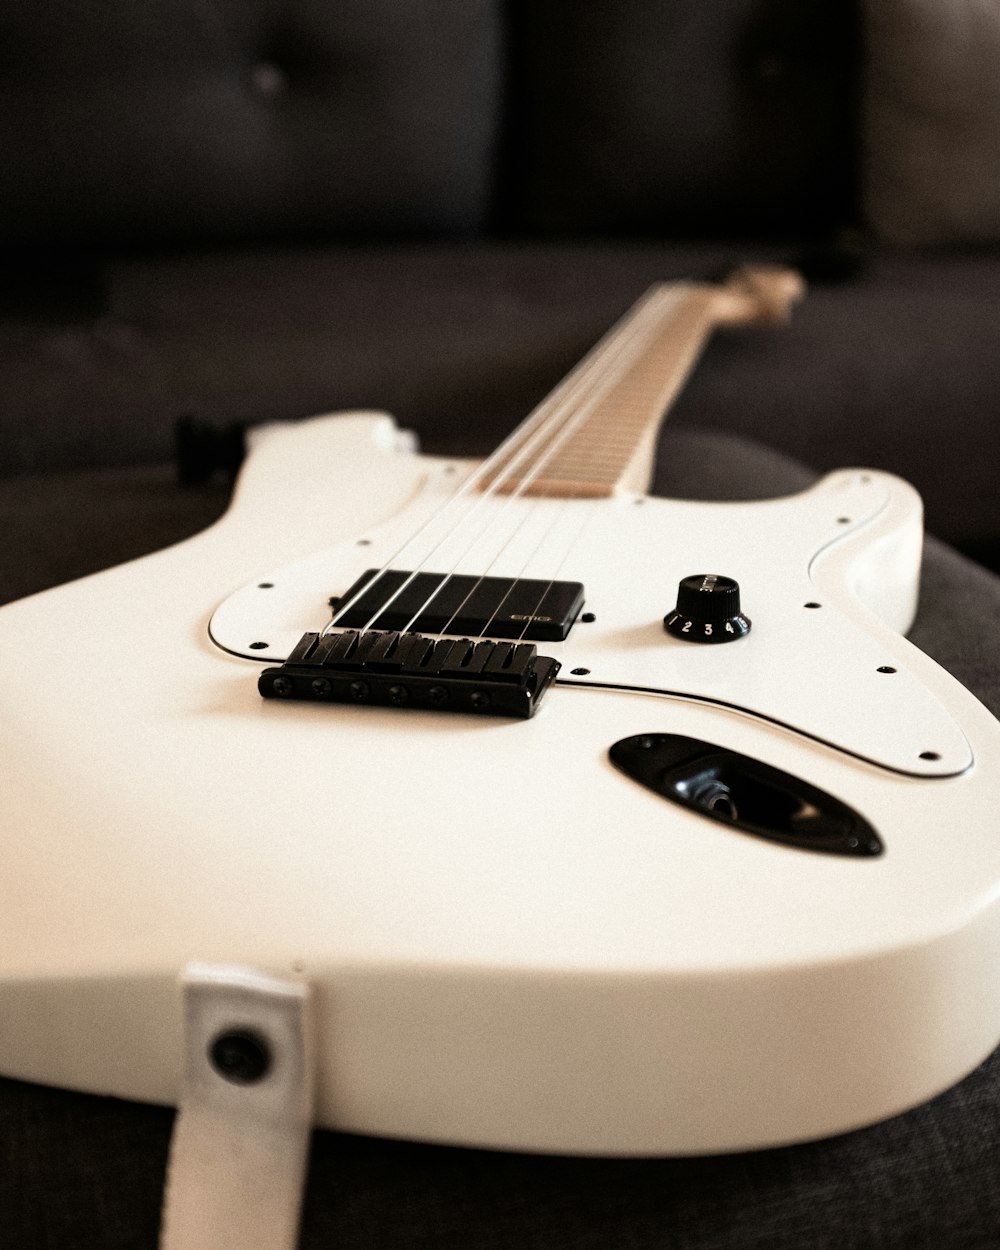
[595,434]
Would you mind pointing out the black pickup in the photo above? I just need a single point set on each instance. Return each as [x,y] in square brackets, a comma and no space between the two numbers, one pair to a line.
[408,670]
[523,608]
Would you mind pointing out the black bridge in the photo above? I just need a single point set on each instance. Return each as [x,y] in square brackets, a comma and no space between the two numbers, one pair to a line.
[440,603]
[407,670]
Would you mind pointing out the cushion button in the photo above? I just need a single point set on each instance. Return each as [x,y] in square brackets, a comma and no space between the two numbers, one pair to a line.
[268,80]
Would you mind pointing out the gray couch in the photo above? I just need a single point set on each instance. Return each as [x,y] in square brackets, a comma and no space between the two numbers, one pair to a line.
[254,211]
[245,211]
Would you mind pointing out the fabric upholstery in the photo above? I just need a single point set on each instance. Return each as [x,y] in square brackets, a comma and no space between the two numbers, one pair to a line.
[896,369]
[147,147]
[87,1172]
[174,120]
[932,121]
[621,122]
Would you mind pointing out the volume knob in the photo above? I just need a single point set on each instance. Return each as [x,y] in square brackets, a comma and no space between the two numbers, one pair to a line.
[708,610]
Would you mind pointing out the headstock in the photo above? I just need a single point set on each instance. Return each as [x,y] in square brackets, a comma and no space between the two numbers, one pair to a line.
[759,294]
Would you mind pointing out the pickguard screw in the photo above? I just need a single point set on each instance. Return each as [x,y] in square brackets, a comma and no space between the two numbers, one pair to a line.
[265,585]
[588,617]
[579,672]
[886,668]
[240,1056]
[259,646]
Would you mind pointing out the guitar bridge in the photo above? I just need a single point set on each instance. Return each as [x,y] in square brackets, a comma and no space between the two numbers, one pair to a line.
[408,670]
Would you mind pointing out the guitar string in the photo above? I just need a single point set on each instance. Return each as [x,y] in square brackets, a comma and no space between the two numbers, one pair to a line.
[619,366]
[622,357]
[515,579]
[670,306]
[618,357]
[523,443]
[659,405]
[544,435]
[527,434]
[588,513]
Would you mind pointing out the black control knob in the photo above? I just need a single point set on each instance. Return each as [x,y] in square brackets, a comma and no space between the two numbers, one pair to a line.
[708,610]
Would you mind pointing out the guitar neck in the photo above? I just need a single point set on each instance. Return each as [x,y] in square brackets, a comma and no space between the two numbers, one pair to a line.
[595,434]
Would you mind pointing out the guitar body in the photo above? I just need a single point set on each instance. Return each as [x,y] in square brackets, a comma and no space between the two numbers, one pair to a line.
[513,943]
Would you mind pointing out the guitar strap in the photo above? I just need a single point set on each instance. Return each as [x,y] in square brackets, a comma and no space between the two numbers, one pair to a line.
[241,1139]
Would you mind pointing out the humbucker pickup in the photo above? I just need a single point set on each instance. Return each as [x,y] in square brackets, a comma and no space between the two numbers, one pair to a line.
[460,605]
[409,670]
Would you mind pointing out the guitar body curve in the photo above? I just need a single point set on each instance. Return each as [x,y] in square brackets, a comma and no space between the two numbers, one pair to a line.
[513,944]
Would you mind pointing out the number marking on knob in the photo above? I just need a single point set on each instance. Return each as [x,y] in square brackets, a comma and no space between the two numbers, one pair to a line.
[708,610]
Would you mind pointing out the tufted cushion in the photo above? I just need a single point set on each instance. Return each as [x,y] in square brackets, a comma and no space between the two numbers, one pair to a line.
[932,121]
[178,120]
[735,116]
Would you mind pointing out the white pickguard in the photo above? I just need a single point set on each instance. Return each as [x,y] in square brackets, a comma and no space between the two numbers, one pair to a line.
[815,670]
[512,944]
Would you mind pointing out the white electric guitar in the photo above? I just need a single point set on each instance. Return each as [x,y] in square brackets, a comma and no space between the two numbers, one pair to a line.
[580,851]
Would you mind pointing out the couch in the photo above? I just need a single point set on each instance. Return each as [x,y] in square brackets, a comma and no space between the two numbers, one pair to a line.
[241,211]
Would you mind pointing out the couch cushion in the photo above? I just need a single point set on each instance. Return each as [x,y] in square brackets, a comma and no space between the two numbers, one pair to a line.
[932,121]
[897,370]
[736,117]
[168,120]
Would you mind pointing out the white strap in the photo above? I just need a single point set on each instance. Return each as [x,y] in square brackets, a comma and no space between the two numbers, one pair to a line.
[241,1140]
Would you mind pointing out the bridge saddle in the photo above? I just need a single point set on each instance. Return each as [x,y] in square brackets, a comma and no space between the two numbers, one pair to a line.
[389,669]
